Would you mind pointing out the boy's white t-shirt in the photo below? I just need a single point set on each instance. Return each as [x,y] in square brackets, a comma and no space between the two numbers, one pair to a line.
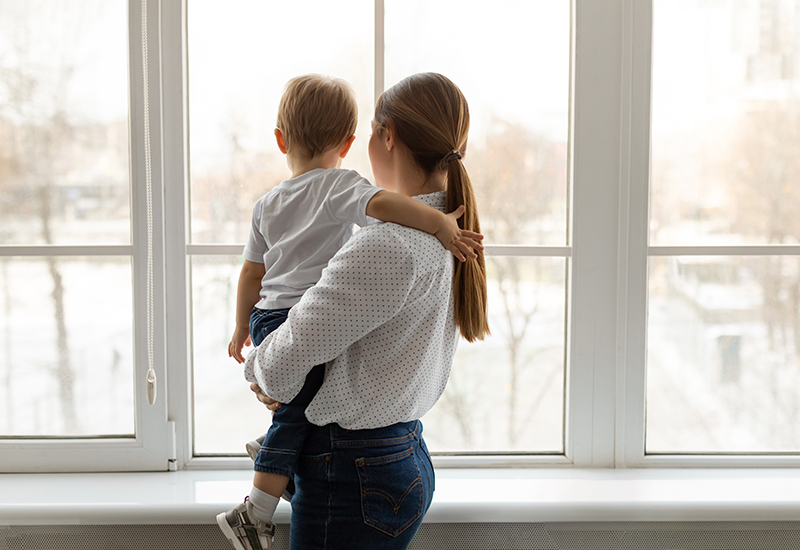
[298,227]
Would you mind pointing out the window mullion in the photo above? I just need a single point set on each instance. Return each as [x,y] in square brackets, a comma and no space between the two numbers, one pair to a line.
[176,200]
[592,349]
[632,256]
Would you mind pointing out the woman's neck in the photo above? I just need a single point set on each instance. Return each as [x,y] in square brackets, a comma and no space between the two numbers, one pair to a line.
[412,180]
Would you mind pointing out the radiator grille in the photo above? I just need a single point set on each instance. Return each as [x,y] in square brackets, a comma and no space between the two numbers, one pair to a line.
[114,537]
[436,536]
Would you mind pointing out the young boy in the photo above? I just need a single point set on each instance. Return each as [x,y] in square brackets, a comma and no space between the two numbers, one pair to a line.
[296,228]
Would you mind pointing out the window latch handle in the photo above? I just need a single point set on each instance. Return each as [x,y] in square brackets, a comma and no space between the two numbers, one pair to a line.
[151,386]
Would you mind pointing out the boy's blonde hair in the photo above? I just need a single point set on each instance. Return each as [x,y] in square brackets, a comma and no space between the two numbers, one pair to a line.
[316,113]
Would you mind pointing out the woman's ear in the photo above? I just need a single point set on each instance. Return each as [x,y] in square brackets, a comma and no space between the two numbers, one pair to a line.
[279,139]
[388,136]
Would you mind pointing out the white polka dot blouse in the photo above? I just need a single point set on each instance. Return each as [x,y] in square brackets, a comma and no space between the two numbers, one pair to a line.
[381,317]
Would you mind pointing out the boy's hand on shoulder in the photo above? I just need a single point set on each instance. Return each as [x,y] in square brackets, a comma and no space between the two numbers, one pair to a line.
[241,338]
[460,242]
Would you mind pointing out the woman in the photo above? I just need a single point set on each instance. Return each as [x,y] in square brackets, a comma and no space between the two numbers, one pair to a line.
[384,317]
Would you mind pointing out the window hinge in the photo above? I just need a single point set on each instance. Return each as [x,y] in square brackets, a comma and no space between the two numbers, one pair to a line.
[172,459]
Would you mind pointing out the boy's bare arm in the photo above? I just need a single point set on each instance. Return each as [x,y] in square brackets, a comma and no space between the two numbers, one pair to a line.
[247,296]
[394,207]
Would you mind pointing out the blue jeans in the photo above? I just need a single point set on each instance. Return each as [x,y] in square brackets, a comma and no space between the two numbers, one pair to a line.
[281,449]
[361,489]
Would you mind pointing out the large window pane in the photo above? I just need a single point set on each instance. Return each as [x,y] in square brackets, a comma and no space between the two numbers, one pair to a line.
[723,354]
[726,122]
[518,148]
[240,57]
[64,122]
[511,60]
[66,346]
[507,392]
[66,340]
[723,331]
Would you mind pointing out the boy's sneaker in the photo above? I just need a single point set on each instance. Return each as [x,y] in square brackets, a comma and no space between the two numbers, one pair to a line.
[254,446]
[252,450]
[243,532]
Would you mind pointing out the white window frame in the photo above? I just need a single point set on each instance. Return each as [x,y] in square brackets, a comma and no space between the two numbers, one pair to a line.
[152,446]
[635,251]
[607,252]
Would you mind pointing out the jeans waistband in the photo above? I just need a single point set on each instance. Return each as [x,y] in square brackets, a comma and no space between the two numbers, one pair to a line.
[326,438]
[375,437]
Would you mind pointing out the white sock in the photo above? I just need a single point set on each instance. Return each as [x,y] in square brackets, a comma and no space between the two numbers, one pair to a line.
[264,505]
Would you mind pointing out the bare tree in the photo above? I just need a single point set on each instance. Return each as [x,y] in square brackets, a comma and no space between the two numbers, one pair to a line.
[39,141]
[763,182]
[763,178]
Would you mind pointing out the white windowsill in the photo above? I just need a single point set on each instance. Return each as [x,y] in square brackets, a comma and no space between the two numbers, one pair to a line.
[512,495]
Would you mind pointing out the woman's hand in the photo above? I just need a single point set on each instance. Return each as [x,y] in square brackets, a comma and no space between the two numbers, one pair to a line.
[270,403]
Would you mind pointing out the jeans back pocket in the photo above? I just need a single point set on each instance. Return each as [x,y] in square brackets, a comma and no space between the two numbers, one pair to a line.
[392,494]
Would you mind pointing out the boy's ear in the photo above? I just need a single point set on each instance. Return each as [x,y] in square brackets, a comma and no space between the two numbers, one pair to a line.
[279,139]
[346,147]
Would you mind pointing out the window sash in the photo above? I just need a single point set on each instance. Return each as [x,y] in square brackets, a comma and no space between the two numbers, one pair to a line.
[151,447]
[635,252]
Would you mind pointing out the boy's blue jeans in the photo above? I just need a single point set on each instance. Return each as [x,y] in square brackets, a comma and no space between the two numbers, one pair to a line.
[361,489]
[280,451]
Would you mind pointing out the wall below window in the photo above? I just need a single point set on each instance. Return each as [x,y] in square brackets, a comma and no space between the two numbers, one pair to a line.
[436,536]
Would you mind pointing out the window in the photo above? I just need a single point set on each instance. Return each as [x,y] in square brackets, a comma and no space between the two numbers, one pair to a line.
[723,342]
[636,167]
[518,148]
[72,267]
